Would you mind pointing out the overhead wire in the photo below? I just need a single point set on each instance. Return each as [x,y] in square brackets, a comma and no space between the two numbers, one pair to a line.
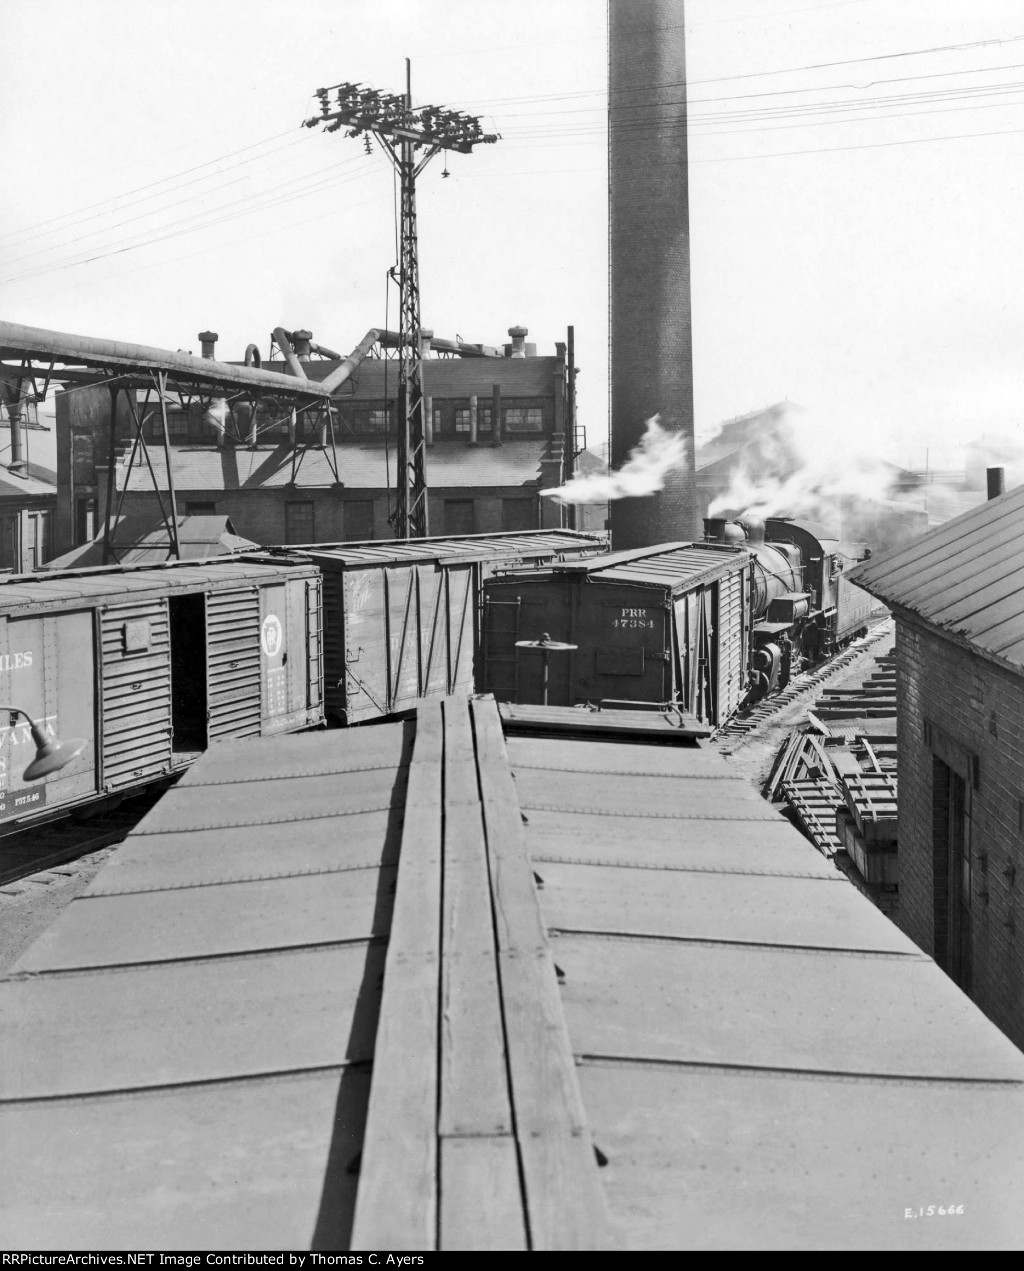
[535,131]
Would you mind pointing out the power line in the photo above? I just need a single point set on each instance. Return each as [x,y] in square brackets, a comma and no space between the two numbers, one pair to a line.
[152,184]
[324,183]
[876,145]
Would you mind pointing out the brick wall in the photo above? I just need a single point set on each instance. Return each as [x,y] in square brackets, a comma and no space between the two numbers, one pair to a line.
[964,710]
[649,249]
[260,514]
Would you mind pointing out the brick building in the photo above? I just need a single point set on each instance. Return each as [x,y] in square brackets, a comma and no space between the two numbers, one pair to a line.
[500,432]
[28,493]
[958,598]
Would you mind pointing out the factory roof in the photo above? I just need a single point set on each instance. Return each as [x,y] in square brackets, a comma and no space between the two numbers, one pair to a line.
[965,577]
[446,377]
[359,467]
[140,541]
[38,482]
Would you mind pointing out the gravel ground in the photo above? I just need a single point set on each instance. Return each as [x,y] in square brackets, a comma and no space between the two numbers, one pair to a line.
[752,756]
[28,907]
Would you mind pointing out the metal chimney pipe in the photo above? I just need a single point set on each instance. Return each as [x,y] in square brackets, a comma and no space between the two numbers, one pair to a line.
[518,335]
[301,344]
[649,259]
[208,339]
[285,345]
[996,478]
[15,407]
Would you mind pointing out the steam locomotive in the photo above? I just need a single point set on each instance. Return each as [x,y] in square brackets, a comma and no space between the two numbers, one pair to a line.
[707,628]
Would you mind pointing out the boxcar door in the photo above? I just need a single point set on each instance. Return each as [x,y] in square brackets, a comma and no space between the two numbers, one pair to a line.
[233,663]
[632,654]
[135,682]
[283,657]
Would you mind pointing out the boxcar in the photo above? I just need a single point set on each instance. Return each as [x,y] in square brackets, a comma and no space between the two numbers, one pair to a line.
[659,624]
[151,666]
[402,618]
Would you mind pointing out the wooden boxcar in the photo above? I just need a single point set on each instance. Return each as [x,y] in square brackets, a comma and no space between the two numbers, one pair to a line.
[401,618]
[658,624]
[151,666]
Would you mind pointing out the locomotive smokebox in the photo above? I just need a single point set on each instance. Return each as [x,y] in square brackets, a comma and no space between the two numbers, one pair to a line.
[649,259]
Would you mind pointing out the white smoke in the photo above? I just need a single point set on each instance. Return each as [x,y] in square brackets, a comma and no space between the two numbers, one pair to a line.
[791,464]
[658,453]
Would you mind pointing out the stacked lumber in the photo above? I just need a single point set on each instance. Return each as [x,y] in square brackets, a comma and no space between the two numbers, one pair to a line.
[874,698]
[866,826]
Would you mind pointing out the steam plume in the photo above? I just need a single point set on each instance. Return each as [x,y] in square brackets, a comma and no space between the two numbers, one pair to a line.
[643,473]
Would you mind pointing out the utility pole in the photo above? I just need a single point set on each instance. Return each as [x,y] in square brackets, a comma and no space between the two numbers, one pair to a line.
[401,132]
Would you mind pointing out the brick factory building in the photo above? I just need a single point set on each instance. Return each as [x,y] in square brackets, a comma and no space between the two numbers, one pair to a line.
[500,428]
[28,491]
[958,598]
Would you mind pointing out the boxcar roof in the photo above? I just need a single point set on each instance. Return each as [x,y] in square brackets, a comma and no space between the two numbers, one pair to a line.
[671,565]
[485,547]
[113,584]
[624,1004]
[965,577]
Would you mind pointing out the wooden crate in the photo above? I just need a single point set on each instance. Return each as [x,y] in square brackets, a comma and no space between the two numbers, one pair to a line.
[876,864]
[872,799]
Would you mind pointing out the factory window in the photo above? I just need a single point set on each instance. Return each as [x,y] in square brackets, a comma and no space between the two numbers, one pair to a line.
[272,422]
[200,509]
[9,555]
[437,415]
[458,516]
[371,423]
[37,545]
[518,514]
[358,519]
[299,524]
[483,419]
[85,520]
[522,418]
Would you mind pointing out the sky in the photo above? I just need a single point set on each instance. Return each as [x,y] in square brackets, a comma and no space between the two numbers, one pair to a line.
[855,192]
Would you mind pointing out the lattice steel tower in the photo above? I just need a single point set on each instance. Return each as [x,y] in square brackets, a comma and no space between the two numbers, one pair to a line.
[401,131]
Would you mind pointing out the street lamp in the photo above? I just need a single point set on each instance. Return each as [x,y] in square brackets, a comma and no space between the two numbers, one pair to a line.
[52,754]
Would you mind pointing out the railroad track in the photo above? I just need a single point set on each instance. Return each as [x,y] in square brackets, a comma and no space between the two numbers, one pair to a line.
[39,848]
[738,730]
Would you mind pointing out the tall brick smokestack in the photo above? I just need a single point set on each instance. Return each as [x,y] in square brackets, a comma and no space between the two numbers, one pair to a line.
[649,256]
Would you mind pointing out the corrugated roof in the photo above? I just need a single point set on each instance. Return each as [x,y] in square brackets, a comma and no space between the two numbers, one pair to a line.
[668,565]
[965,577]
[359,467]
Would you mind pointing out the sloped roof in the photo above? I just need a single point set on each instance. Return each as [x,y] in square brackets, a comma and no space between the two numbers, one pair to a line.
[965,577]
[359,467]
[139,541]
[38,482]
[736,434]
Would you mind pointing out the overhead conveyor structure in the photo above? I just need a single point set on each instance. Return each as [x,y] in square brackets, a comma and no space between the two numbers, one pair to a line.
[32,358]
